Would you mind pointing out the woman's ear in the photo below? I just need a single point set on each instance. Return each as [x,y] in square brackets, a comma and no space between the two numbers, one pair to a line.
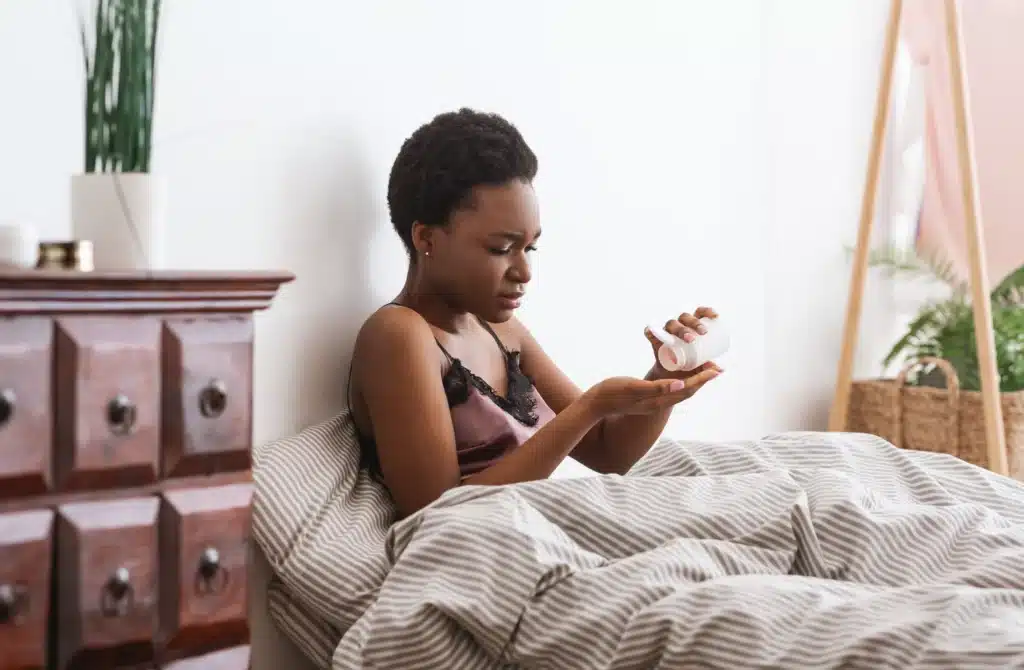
[422,238]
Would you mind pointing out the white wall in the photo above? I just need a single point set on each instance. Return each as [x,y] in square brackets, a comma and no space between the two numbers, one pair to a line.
[691,152]
[823,63]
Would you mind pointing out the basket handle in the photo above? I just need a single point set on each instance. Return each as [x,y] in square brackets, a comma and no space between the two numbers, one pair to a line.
[952,385]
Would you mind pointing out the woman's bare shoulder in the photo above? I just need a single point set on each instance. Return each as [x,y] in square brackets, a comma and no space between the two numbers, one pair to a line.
[392,327]
[393,343]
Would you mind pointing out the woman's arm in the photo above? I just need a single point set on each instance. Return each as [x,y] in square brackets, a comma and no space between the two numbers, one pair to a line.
[398,374]
[615,443]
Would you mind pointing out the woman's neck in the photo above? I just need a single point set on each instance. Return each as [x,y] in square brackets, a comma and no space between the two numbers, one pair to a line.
[432,305]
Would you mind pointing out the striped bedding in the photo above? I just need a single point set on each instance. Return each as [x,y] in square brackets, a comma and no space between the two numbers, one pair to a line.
[314,638]
[804,550]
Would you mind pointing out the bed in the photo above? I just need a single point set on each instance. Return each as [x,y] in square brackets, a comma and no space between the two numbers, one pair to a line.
[812,550]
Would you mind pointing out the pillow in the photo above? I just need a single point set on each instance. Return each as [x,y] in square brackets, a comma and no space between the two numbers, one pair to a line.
[313,503]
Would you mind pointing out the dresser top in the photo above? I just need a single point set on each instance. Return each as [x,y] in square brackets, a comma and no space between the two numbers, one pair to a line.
[158,291]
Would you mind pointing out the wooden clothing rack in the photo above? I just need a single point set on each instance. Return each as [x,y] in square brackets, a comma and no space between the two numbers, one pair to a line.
[979,282]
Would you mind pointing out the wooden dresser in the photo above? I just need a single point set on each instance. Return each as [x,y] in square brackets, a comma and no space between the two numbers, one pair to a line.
[125,430]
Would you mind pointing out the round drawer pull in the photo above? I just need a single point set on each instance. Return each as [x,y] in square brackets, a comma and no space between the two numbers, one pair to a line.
[121,415]
[118,595]
[7,402]
[13,603]
[211,577]
[213,399]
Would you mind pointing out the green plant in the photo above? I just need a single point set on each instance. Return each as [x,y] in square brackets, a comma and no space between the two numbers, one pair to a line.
[896,262]
[120,64]
[945,328]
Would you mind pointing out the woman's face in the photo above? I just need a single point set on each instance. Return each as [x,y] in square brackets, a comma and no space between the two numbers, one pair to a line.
[481,259]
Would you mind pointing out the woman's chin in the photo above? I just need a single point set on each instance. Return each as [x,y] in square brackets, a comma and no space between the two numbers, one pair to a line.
[497,314]
[497,309]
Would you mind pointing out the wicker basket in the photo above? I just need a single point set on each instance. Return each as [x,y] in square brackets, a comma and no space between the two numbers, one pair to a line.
[932,419]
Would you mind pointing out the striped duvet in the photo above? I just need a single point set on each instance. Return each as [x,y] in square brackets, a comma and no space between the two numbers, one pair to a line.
[802,550]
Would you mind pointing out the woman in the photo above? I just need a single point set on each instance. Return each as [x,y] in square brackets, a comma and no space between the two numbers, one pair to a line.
[447,386]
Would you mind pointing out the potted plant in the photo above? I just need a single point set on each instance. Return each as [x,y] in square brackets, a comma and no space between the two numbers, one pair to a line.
[116,203]
[935,403]
[945,328]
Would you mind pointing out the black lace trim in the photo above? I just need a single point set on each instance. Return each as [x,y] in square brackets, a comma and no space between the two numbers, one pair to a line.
[519,401]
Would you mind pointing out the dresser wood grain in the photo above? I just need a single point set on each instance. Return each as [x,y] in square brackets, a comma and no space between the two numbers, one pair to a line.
[125,433]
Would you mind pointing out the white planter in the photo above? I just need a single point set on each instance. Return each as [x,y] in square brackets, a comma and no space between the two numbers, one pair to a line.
[122,214]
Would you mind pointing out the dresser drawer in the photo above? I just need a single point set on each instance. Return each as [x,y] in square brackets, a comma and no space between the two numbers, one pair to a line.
[108,401]
[203,583]
[207,395]
[26,421]
[106,576]
[25,559]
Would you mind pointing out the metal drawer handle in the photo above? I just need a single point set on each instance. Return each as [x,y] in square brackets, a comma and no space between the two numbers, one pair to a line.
[13,603]
[7,402]
[213,399]
[118,594]
[211,577]
[121,415]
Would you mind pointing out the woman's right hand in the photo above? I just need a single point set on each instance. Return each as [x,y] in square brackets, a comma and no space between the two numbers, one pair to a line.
[628,395]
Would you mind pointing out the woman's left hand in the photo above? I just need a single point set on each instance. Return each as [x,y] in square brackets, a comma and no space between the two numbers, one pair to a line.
[687,327]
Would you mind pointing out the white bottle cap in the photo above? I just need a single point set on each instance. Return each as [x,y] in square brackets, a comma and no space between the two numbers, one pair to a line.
[663,335]
[672,355]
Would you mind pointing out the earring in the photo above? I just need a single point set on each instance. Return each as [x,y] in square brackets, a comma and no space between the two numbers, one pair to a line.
[426,253]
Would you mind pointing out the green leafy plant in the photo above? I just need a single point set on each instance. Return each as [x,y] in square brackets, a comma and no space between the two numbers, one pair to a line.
[119,49]
[945,328]
[896,262]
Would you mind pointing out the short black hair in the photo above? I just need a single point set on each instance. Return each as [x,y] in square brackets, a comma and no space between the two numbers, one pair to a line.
[439,165]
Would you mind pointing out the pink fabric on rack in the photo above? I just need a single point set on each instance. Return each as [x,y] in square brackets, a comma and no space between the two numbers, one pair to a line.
[994,54]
